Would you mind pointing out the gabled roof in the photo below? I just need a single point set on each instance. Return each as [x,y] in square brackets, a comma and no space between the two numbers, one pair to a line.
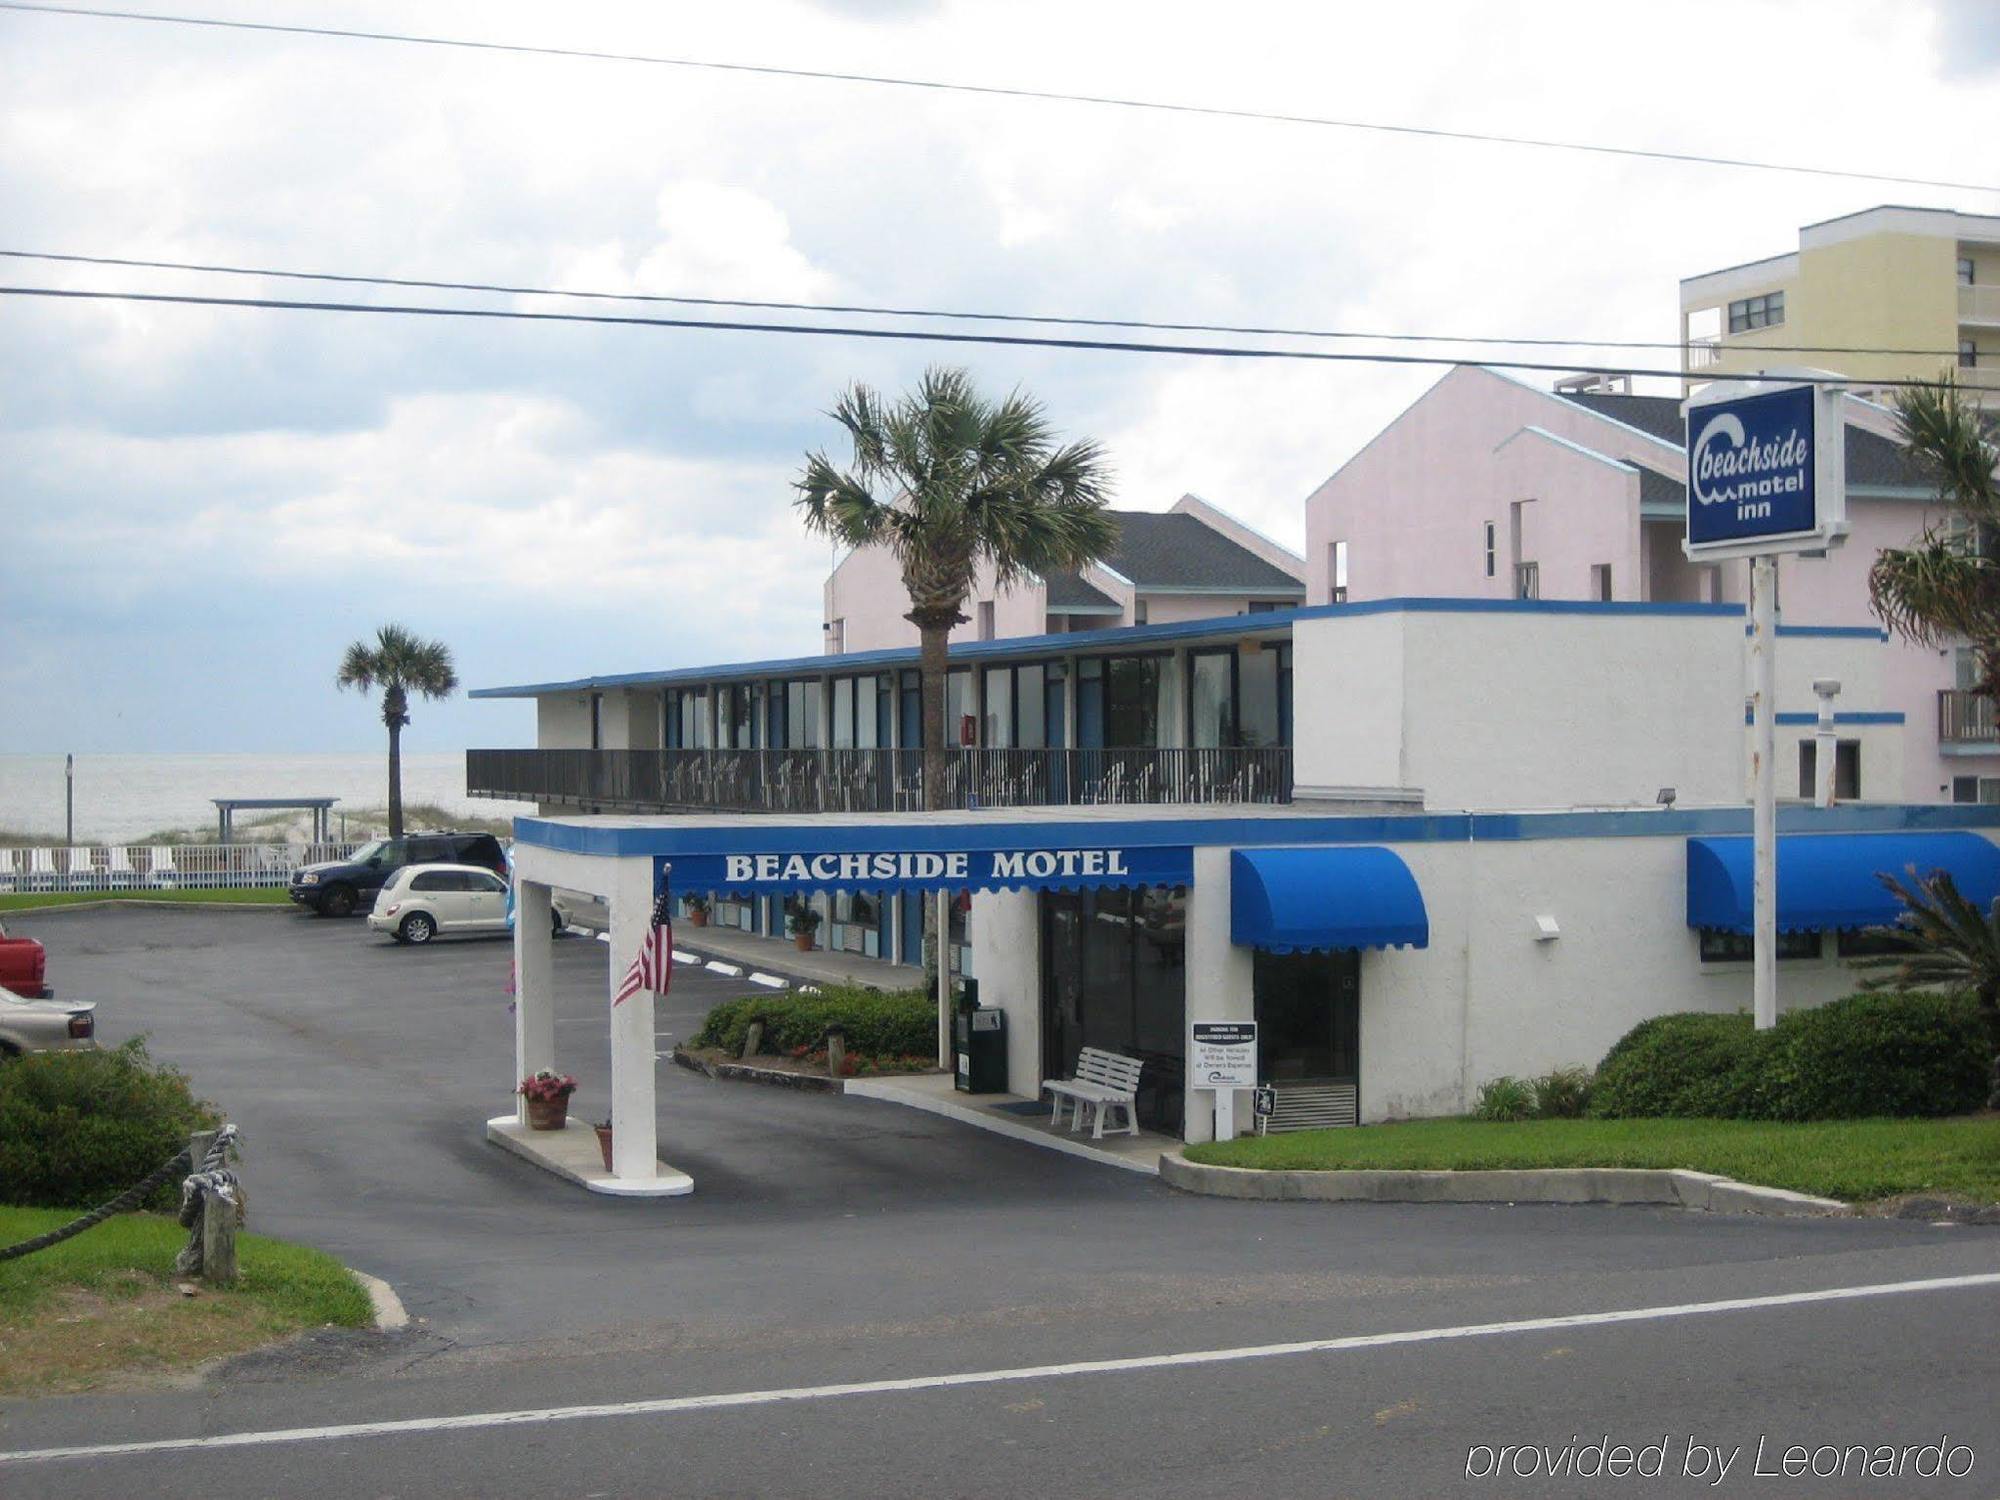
[1070,593]
[1656,488]
[1658,415]
[1169,551]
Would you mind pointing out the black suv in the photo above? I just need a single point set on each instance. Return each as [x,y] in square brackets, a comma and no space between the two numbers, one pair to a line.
[341,886]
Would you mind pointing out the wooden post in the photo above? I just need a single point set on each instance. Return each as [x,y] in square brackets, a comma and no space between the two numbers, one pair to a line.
[836,1050]
[753,1040]
[218,1241]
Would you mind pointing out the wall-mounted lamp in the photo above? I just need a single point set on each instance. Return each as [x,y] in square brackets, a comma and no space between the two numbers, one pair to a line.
[1546,930]
[1665,796]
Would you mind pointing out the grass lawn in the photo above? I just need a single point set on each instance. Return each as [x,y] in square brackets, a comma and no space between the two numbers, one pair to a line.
[230,895]
[1856,1160]
[102,1309]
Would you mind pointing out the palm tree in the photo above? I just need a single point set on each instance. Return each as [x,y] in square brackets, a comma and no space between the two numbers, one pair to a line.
[1947,585]
[1946,942]
[948,480]
[401,663]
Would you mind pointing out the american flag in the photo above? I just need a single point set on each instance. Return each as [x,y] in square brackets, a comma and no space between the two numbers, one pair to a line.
[653,965]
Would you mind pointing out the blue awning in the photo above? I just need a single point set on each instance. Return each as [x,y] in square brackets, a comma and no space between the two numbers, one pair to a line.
[1829,880]
[1331,896]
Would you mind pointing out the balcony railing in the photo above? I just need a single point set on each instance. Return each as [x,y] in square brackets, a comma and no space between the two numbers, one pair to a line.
[1979,304]
[1966,718]
[873,781]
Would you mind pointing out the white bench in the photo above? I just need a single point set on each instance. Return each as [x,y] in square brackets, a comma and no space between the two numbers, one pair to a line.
[1104,1081]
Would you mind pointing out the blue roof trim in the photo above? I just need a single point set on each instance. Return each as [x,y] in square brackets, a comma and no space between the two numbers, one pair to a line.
[1314,900]
[1859,716]
[1137,637]
[777,835]
[1832,880]
[1833,632]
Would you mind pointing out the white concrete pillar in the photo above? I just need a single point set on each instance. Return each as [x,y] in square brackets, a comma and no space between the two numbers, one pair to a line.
[534,986]
[635,1149]
[1007,956]
[1219,982]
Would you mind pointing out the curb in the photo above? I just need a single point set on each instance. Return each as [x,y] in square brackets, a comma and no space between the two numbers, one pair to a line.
[862,1088]
[811,1083]
[33,911]
[390,1314]
[1671,1187]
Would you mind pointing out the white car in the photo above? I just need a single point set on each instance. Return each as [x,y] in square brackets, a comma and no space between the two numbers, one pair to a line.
[421,902]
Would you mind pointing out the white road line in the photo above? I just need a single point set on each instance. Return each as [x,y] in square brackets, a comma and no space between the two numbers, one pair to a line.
[670,1405]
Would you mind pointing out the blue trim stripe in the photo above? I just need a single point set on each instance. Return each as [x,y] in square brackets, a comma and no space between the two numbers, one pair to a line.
[1859,716]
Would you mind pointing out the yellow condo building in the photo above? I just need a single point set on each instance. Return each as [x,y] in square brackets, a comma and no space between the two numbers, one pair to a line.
[1922,280]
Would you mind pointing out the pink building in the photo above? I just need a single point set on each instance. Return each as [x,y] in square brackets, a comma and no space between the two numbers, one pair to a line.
[1489,487]
[1192,562]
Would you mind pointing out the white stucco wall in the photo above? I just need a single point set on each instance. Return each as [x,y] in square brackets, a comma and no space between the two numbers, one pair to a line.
[1347,702]
[562,721]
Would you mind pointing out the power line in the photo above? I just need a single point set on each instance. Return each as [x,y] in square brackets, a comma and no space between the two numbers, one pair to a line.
[358,279]
[885,80]
[915,335]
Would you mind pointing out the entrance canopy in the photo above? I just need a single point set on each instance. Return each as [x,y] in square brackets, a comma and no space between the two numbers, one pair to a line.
[1831,880]
[1330,896]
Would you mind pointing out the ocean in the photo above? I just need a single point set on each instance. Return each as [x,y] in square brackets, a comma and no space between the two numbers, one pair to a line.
[124,797]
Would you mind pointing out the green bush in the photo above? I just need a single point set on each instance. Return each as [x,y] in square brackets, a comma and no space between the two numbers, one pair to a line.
[1879,1053]
[1875,1053]
[1562,1094]
[878,1023]
[1505,1098]
[78,1128]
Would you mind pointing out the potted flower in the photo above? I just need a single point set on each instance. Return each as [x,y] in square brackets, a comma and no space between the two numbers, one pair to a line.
[805,922]
[547,1093]
[696,907]
[603,1128]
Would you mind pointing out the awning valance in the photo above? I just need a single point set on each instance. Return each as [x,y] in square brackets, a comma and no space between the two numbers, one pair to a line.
[1329,896]
[1829,880]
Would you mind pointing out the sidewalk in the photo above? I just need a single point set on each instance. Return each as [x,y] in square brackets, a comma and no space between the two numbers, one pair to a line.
[781,956]
[1022,1119]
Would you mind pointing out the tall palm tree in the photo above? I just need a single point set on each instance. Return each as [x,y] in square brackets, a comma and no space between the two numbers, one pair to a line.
[1946,942]
[1946,586]
[401,663]
[948,480]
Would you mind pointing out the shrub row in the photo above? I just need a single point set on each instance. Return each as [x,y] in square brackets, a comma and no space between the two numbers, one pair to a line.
[78,1128]
[1876,1053]
[878,1023]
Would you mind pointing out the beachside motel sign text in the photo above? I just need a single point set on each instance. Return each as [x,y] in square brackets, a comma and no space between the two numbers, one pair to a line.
[945,869]
[1766,470]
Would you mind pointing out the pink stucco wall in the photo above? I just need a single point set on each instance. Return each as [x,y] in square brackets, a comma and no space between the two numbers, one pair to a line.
[865,593]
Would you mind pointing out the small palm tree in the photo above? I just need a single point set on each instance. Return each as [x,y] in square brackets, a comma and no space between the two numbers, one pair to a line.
[401,663]
[1947,943]
[947,480]
[1946,586]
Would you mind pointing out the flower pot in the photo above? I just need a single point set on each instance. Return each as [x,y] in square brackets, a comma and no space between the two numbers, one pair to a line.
[804,941]
[548,1114]
[604,1144]
[697,919]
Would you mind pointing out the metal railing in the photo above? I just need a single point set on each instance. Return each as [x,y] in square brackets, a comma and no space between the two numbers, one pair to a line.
[1702,354]
[877,780]
[1979,303]
[119,867]
[1966,718]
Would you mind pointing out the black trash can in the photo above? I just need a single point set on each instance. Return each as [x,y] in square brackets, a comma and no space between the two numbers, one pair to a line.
[980,1035]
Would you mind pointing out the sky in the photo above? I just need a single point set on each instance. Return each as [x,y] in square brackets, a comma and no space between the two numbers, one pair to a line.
[201,507]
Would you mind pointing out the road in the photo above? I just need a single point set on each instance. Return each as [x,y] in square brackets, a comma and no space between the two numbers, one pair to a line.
[1036,1324]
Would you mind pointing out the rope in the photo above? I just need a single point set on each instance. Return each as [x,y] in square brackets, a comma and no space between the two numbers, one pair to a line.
[131,1198]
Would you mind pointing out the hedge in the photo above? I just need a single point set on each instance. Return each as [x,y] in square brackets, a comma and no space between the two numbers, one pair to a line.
[1875,1053]
[878,1023]
[78,1128]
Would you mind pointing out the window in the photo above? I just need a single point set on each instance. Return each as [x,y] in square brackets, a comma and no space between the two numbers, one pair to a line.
[1965,272]
[1527,580]
[1846,770]
[1600,582]
[999,699]
[1862,943]
[436,880]
[1975,789]
[986,619]
[1132,689]
[1211,699]
[1492,551]
[1336,572]
[1719,947]
[1264,606]
[482,881]
[1968,354]
[1767,311]
[1138,611]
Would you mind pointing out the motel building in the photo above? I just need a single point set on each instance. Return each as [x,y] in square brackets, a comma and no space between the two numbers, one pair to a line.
[1420,841]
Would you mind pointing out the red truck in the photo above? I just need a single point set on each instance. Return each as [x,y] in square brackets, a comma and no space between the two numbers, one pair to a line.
[24,965]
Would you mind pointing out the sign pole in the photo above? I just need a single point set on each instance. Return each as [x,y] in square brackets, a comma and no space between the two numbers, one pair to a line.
[1764,789]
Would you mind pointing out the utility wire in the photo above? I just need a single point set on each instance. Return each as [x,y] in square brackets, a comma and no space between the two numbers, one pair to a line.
[937,313]
[917,335]
[998,91]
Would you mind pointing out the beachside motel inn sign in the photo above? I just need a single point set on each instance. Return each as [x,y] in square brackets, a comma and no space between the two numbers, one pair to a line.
[947,869]
[1766,470]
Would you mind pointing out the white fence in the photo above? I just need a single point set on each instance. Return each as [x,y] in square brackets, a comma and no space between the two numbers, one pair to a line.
[119,867]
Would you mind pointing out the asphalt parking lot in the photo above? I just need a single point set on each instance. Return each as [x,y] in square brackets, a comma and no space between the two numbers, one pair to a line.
[832,1240]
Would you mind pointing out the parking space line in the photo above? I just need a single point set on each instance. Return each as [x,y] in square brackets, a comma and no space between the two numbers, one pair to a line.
[668,1406]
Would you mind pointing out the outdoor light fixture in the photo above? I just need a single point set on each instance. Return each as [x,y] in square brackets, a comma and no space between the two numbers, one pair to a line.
[1546,930]
[1665,796]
